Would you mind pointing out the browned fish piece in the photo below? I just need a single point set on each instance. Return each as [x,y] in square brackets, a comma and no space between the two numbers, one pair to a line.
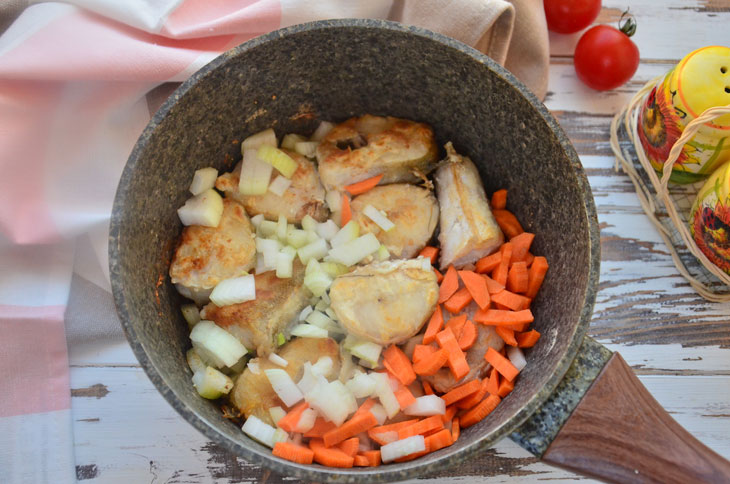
[252,393]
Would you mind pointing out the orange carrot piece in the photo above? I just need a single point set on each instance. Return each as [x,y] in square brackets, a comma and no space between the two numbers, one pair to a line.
[430,252]
[499,317]
[332,457]
[364,185]
[505,387]
[478,413]
[501,364]
[456,324]
[476,397]
[349,446]
[321,426]
[492,286]
[520,246]
[439,276]
[439,440]
[404,396]
[538,269]
[461,391]
[293,452]
[449,414]
[365,406]
[517,277]
[499,274]
[368,458]
[434,326]
[456,359]
[493,382]
[421,427]
[499,199]
[527,340]
[511,300]
[346,210]
[449,285]
[507,335]
[455,429]
[488,263]
[289,421]
[423,351]
[477,287]
[468,336]
[508,223]
[375,432]
[458,301]
[356,424]
[529,259]
[399,365]
[427,389]
[429,366]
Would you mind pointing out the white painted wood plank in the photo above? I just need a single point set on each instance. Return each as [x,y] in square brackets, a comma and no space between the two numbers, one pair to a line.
[674,358]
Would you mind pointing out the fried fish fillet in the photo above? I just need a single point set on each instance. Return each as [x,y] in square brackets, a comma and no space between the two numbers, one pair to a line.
[252,393]
[412,209]
[367,146]
[468,229]
[207,255]
[257,323]
[385,302]
[305,195]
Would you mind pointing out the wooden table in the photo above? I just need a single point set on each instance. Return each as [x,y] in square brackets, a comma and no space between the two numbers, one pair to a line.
[677,343]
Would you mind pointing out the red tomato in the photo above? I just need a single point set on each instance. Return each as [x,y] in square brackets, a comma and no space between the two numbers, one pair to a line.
[568,16]
[605,58]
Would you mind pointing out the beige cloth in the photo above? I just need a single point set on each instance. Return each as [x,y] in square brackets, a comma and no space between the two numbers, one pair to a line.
[513,33]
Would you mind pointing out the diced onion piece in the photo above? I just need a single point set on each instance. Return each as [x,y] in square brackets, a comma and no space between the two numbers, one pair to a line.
[313,250]
[334,200]
[348,233]
[517,357]
[290,140]
[270,249]
[234,291]
[334,269]
[378,217]
[322,130]
[352,252]
[365,443]
[308,223]
[279,185]
[385,394]
[236,369]
[348,368]
[323,366]
[281,227]
[204,209]
[306,148]
[379,412]
[257,219]
[216,345]
[308,331]
[361,385]
[195,362]
[267,228]
[277,413]
[317,282]
[278,360]
[203,180]
[255,174]
[283,163]
[253,365]
[366,350]
[327,229]
[259,430]
[308,380]
[306,421]
[426,406]
[305,312]
[261,266]
[332,399]
[255,141]
[425,263]
[331,313]
[280,435]
[401,448]
[383,253]
[321,305]
[312,236]
[211,383]
[325,297]
[319,319]
[297,238]
[191,314]
[284,387]
[284,264]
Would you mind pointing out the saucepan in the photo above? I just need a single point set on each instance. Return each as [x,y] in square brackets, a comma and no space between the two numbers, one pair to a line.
[575,405]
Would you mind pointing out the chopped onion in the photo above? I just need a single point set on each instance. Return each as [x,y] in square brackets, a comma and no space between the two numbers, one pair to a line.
[346,234]
[280,435]
[306,421]
[322,130]
[426,406]
[313,250]
[425,263]
[323,366]
[308,223]
[284,387]
[308,380]
[270,249]
[283,163]
[204,209]
[348,367]
[203,180]
[327,229]
[267,228]
[279,185]
[361,385]
[325,297]
[306,148]
[401,448]
[191,314]
[255,174]
[385,394]
[379,412]
[284,264]
[517,357]
[366,350]
[312,236]
[365,443]
[257,219]
[216,345]
[261,266]
[234,291]
[277,413]
[211,383]
[281,227]
[253,365]
[350,253]
[290,140]
[305,312]
[332,400]
[334,200]
[236,369]
[388,437]
[297,238]
[383,253]
[331,313]
[317,282]
[259,430]
[334,269]
[278,360]
[377,216]
[255,141]
[195,362]
[319,319]
[309,331]
[321,305]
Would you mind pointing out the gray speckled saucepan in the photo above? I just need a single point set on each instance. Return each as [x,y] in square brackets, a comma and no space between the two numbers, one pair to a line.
[331,70]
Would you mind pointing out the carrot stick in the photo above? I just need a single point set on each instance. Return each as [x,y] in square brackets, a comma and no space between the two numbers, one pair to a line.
[499,274]
[462,391]
[289,421]
[396,362]
[517,277]
[439,276]
[404,396]
[468,336]
[427,388]
[449,285]
[429,366]
[421,427]
[458,301]
[449,414]
[513,301]
[488,263]
[365,406]
[321,426]
[455,429]
[364,185]
[346,214]
[368,458]
[478,413]
[430,252]
[477,287]
[434,326]
[527,340]
[505,387]
[492,286]
[501,364]
[349,446]
[456,324]
[537,274]
[293,452]
[332,457]
[499,317]
[423,351]
[493,382]
[356,424]
[499,200]
[529,258]
[456,359]
[476,397]
[507,335]
[508,223]
[394,427]
[439,440]
[520,246]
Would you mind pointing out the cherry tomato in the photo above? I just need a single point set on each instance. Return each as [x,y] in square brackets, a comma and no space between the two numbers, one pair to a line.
[605,57]
[569,16]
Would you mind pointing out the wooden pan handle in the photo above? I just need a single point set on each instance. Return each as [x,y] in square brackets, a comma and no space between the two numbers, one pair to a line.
[619,433]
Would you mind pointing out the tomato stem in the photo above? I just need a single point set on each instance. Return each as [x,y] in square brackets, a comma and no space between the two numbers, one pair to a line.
[627,23]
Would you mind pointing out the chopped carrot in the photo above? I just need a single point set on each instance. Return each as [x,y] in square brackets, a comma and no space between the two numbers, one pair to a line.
[449,285]
[476,397]
[517,277]
[364,185]
[346,213]
[455,429]
[429,366]
[520,246]
[439,276]
[461,391]
[399,365]
[499,274]
[499,317]
[349,446]
[477,287]
[458,301]
[501,364]
[499,199]
[468,336]
[527,340]
[478,413]
[289,421]
[331,457]
[321,426]
[316,444]
[356,424]
[368,458]
[365,406]
[404,396]
[456,324]
[508,223]
[449,414]
[421,427]
[505,387]
[537,274]
[493,286]
[488,263]
[434,326]
[493,382]
[513,301]
[529,259]
[423,351]
[293,452]
[439,440]
[394,427]
[507,335]
[456,359]
[427,388]
[430,252]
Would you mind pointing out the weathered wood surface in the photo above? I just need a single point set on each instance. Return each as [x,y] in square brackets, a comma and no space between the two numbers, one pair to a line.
[676,342]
